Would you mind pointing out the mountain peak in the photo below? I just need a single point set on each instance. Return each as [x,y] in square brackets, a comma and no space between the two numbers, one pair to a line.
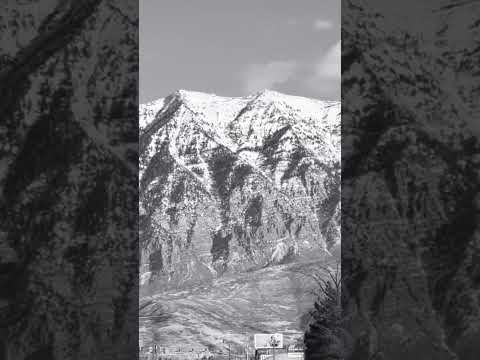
[268,93]
[235,191]
[183,93]
[190,93]
[192,96]
[220,111]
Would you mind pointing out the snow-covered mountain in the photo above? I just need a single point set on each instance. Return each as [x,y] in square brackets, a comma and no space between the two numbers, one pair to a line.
[234,183]
[234,192]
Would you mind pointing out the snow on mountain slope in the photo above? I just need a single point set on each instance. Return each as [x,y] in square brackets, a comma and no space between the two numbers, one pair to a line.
[222,180]
[148,112]
[235,188]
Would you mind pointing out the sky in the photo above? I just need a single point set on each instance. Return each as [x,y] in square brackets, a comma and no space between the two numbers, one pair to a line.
[236,48]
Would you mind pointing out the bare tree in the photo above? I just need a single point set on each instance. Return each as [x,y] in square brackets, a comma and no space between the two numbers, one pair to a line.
[323,276]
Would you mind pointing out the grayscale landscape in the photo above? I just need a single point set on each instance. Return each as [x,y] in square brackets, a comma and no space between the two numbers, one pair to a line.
[239,179]
[239,206]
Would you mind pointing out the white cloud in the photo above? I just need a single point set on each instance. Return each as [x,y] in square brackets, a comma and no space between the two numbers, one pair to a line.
[267,76]
[329,64]
[321,24]
[325,74]
[320,78]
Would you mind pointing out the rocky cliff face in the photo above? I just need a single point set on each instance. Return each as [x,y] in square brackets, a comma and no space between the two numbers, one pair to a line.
[238,198]
[410,179]
[230,184]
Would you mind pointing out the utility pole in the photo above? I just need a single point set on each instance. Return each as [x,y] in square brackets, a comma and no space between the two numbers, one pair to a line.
[223,342]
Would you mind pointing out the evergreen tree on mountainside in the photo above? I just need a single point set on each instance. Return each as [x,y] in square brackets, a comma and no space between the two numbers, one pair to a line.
[323,339]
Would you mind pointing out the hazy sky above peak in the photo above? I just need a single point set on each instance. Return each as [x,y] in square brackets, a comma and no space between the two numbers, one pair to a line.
[235,48]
